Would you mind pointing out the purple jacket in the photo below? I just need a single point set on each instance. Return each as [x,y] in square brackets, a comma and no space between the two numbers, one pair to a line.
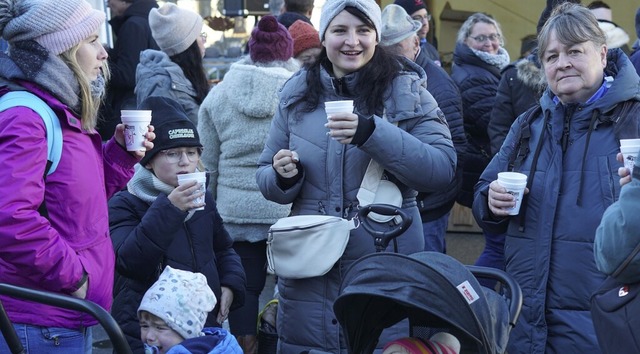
[50,253]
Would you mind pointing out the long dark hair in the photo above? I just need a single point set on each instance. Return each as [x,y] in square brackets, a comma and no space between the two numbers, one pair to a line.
[373,79]
[190,61]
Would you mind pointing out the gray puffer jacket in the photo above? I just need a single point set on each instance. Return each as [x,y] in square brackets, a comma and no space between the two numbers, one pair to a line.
[157,75]
[418,155]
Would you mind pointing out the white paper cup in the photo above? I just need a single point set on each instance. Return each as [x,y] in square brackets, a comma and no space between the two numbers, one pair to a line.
[512,177]
[629,154]
[333,107]
[136,125]
[629,142]
[515,184]
[201,178]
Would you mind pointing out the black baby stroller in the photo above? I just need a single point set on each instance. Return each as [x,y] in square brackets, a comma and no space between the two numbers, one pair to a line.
[435,292]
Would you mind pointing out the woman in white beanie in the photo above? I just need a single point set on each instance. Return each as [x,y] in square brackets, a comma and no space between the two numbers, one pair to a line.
[175,71]
[319,164]
[54,232]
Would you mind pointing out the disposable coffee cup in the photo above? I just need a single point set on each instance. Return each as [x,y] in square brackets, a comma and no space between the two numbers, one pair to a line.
[629,142]
[136,125]
[201,178]
[343,106]
[515,184]
[629,155]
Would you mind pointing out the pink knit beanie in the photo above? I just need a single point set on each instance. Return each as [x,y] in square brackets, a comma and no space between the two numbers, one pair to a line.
[270,41]
[304,37]
[56,25]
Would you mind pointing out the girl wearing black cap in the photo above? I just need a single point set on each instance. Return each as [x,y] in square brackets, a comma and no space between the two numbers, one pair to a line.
[153,224]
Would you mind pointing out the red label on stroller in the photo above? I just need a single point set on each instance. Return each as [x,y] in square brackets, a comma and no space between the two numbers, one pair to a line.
[468,292]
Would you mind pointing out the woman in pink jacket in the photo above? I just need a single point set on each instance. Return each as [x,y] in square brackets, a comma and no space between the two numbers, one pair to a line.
[54,232]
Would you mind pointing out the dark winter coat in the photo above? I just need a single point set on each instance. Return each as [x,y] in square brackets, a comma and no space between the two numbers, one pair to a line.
[478,83]
[133,35]
[550,251]
[435,204]
[520,88]
[147,238]
[430,51]
[635,59]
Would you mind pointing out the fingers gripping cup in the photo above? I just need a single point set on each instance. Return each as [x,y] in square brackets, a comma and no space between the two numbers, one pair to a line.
[333,107]
[136,124]
[201,178]
[629,149]
[515,183]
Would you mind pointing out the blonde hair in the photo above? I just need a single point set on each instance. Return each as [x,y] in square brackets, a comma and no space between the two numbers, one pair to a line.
[89,104]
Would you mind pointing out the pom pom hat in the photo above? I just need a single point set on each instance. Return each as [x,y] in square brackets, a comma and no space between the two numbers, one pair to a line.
[182,299]
[56,25]
[270,41]
[304,37]
[174,28]
[332,8]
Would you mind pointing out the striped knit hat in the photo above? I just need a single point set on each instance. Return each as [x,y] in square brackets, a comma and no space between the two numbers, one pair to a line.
[57,25]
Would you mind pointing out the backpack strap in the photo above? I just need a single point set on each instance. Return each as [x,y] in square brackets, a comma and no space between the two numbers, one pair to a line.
[51,122]
[524,135]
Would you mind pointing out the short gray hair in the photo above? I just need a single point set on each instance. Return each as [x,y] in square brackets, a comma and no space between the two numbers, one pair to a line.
[572,24]
[467,26]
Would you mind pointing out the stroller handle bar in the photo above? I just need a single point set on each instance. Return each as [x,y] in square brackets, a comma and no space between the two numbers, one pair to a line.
[120,344]
[515,303]
[382,238]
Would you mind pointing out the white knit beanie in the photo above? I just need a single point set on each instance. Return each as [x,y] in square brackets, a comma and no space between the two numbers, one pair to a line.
[57,25]
[180,298]
[174,28]
[332,8]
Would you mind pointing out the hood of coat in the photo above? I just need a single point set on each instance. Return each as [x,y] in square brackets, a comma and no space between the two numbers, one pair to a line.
[253,89]
[531,74]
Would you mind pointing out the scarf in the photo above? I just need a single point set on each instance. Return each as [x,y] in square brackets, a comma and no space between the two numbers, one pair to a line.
[29,61]
[500,60]
[146,186]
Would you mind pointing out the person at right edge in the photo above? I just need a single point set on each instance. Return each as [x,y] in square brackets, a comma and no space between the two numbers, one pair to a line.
[568,150]
[318,164]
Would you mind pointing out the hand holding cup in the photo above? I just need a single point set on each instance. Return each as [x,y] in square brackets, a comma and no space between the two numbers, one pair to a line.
[341,120]
[505,193]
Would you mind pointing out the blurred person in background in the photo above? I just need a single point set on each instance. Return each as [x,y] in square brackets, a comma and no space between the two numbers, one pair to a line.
[399,37]
[234,122]
[306,42]
[130,24]
[175,71]
[417,9]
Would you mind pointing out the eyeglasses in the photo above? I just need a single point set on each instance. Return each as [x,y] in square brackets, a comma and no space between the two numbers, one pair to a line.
[203,35]
[421,18]
[175,155]
[482,38]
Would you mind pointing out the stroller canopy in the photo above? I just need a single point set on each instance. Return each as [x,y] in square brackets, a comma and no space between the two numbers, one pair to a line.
[431,289]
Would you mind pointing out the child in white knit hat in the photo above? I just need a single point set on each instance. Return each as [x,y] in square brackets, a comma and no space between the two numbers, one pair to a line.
[172,316]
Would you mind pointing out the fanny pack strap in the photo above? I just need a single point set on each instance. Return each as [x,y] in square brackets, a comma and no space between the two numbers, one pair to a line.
[371,180]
